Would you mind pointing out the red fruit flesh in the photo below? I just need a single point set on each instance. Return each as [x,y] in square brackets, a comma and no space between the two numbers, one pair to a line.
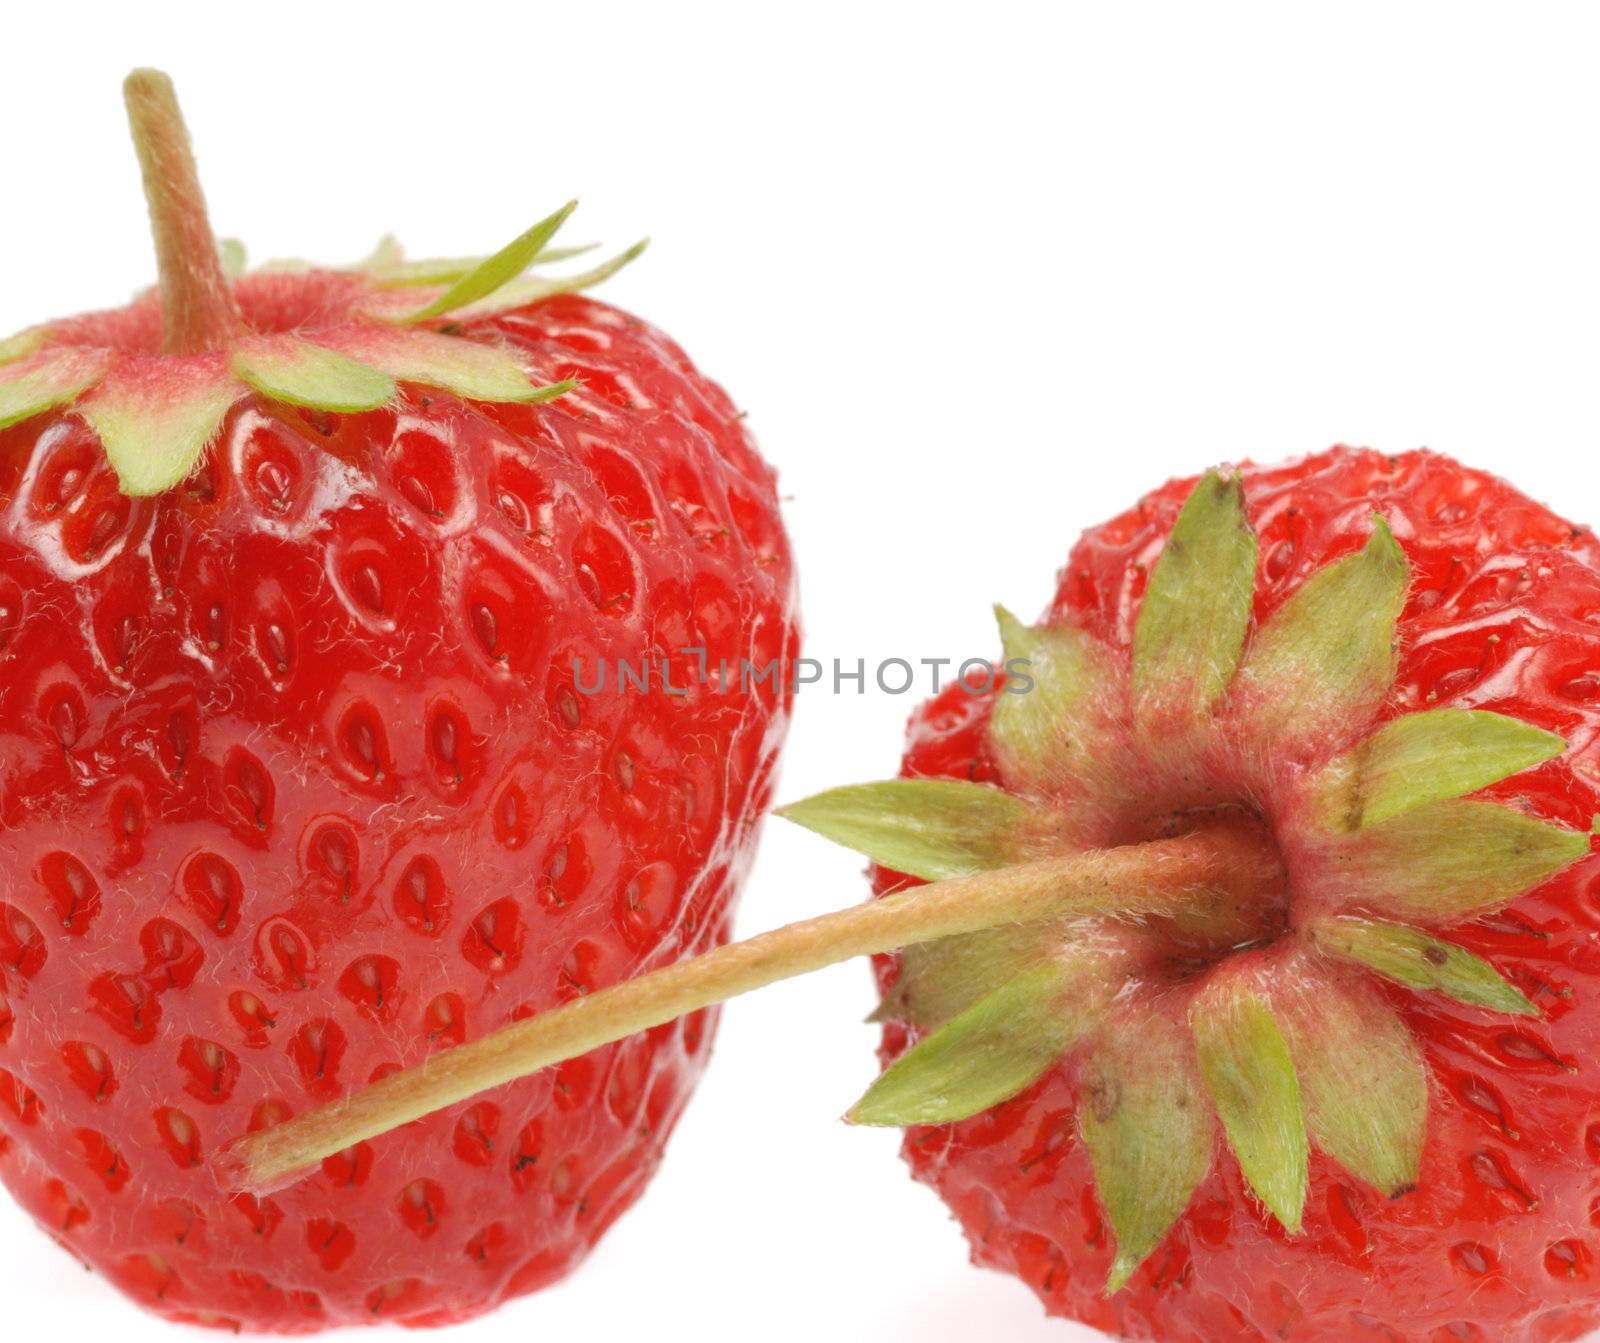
[299,785]
[1498,1241]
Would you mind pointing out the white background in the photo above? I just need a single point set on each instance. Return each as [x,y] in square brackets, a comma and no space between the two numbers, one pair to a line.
[981,274]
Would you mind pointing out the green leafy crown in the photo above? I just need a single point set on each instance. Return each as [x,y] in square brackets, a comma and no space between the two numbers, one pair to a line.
[398,321]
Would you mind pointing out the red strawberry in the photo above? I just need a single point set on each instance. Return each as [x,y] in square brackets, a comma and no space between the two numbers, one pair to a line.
[1252,994]
[1497,1239]
[303,579]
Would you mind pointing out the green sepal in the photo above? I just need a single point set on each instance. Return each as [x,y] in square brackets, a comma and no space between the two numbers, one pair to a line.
[1418,960]
[388,253]
[231,252]
[392,271]
[497,270]
[154,427]
[1043,725]
[468,368]
[1326,658]
[24,343]
[1149,1133]
[286,368]
[941,979]
[1196,610]
[990,1052]
[1427,757]
[45,380]
[1446,860]
[1250,1074]
[1361,1074]
[931,828]
[285,265]
[532,288]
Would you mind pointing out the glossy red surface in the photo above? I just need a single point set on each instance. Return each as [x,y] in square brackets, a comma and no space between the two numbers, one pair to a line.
[1499,1241]
[298,787]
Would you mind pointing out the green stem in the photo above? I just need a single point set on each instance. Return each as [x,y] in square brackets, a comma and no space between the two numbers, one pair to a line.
[198,309]
[1162,876]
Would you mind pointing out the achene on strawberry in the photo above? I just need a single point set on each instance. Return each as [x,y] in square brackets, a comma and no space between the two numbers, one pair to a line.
[297,788]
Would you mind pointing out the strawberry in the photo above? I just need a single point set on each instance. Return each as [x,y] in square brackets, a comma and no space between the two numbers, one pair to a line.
[1454,1199]
[1247,924]
[305,580]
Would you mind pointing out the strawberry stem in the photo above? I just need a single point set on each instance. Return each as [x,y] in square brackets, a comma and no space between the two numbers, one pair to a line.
[1157,877]
[198,310]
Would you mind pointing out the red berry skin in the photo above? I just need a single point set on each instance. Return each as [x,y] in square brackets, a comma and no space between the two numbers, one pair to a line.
[299,786]
[1499,1240]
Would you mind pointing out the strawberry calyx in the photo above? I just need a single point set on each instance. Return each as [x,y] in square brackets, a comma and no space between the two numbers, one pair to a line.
[156,379]
[1269,1029]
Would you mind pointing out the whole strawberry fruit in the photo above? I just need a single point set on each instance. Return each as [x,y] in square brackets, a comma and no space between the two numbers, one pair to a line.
[308,580]
[1363,1107]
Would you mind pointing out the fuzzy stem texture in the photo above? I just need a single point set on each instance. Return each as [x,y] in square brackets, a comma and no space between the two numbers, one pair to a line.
[198,310]
[1156,877]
